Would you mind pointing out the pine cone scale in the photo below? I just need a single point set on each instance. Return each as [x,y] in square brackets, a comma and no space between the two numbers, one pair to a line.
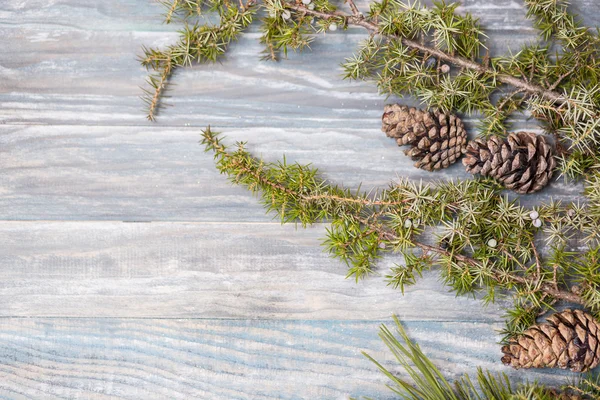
[568,340]
[524,162]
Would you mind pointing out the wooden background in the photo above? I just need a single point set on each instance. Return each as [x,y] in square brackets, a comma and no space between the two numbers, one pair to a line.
[131,269]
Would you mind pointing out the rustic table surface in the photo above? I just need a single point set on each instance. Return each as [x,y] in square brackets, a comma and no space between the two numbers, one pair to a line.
[131,269]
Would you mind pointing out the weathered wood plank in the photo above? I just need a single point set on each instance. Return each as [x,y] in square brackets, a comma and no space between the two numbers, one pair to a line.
[65,83]
[49,73]
[182,359]
[146,15]
[207,270]
[69,62]
[154,173]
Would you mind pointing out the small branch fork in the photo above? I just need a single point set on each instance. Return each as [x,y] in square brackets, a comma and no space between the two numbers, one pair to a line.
[550,289]
[359,20]
[354,9]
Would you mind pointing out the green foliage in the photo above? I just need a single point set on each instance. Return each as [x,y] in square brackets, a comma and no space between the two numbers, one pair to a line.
[281,31]
[197,43]
[559,89]
[426,382]
[487,244]
[429,382]
[184,9]
[586,386]
[406,275]
[410,49]
[518,319]
[552,18]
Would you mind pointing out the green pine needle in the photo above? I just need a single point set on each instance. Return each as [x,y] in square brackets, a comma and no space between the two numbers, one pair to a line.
[426,382]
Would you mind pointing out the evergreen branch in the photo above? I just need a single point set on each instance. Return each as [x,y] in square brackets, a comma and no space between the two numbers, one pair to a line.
[159,84]
[588,385]
[364,201]
[171,11]
[355,11]
[362,228]
[411,49]
[498,275]
[552,18]
[459,61]
[197,43]
[186,7]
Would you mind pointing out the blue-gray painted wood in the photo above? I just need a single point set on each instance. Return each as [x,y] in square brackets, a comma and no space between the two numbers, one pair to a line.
[209,298]
[201,270]
[162,174]
[221,359]
[100,76]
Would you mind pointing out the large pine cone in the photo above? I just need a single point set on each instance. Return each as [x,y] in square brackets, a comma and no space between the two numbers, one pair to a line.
[569,340]
[437,139]
[524,162]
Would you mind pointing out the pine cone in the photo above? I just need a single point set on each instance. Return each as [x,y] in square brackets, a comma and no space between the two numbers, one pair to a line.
[569,340]
[524,162]
[437,139]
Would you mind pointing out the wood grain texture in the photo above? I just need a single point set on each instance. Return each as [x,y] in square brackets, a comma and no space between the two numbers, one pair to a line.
[201,270]
[209,299]
[162,174]
[224,359]
[50,74]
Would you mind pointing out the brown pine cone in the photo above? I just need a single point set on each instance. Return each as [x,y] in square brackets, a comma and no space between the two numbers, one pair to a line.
[524,162]
[437,139]
[569,340]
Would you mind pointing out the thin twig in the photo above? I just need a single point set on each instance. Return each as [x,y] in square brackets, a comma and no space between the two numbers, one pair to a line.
[158,88]
[538,263]
[272,51]
[499,275]
[563,76]
[171,11]
[355,10]
[360,200]
[441,55]
[512,94]
[554,275]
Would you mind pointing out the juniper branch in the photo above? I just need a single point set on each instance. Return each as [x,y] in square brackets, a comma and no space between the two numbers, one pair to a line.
[296,193]
[407,40]
[500,276]
[159,84]
[432,51]
[171,11]
[197,43]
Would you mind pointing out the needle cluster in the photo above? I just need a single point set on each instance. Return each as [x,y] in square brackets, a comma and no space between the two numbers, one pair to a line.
[197,43]
[555,80]
[434,53]
[486,245]
[426,381]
